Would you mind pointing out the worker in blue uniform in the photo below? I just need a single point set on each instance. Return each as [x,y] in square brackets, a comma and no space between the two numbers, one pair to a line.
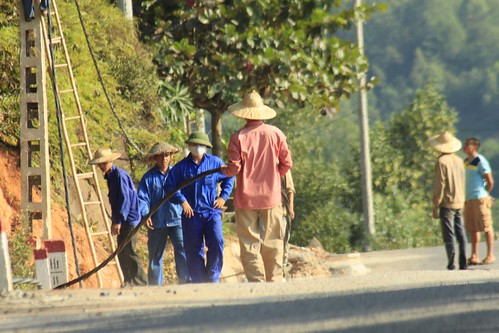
[202,204]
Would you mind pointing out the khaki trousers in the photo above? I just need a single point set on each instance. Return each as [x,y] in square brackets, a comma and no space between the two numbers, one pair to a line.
[261,254]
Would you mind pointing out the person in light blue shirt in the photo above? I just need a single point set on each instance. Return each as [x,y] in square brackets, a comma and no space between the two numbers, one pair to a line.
[166,222]
[477,207]
[202,208]
[125,215]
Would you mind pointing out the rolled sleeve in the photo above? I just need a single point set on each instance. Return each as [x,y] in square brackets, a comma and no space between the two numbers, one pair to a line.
[226,186]
[285,160]
[234,157]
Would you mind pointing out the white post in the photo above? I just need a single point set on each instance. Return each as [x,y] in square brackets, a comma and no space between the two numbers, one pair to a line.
[42,268]
[58,262]
[5,265]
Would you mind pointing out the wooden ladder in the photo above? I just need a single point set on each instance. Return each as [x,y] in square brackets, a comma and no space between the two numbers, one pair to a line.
[76,140]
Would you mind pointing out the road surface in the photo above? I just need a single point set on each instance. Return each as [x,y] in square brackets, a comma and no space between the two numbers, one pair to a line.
[388,291]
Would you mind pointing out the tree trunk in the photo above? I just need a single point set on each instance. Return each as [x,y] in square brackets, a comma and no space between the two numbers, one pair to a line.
[216,133]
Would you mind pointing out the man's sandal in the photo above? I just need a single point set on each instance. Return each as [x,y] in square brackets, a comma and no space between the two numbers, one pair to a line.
[473,261]
[488,260]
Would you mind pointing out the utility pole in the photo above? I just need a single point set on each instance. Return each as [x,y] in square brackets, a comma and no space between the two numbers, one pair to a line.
[34,159]
[126,8]
[365,156]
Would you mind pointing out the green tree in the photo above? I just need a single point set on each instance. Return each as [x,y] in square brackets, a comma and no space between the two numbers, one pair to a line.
[328,201]
[402,171]
[399,152]
[284,49]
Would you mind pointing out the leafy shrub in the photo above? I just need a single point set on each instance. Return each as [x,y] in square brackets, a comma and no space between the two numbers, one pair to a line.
[21,252]
[402,223]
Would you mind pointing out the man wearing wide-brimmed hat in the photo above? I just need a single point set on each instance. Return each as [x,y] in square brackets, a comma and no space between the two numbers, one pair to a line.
[259,155]
[166,222]
[448,196]
[202,208]
[125,215]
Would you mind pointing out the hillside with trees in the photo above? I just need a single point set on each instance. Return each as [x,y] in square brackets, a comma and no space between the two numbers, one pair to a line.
[451,44]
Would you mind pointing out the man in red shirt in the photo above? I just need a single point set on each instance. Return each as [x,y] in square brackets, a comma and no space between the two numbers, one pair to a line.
[258,154]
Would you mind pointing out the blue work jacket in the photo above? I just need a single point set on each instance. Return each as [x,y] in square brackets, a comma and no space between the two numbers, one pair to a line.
[151,191]
[122,197]
[202,193]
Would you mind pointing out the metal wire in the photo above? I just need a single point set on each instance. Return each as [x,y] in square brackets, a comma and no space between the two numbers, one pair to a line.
[101,81]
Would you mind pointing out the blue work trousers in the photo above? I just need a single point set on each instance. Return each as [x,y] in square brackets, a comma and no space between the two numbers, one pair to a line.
[200,229]
[156,244]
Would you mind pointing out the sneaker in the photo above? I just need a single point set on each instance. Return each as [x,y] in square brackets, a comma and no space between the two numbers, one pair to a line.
[488,260]
[463,264]
[450,265]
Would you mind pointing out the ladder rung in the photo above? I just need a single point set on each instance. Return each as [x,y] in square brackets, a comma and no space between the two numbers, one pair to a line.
[72,118]
[88,203]
[85,175]
[56,40]
[61,65]
[66,91]
[99,233]
[79,144]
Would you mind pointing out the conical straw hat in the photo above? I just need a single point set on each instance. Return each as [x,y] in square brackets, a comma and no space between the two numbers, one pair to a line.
[102,155]
[252,107]
[445,143]
[161,148]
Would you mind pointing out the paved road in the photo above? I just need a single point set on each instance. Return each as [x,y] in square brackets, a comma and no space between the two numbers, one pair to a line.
[389,291]
[429,259]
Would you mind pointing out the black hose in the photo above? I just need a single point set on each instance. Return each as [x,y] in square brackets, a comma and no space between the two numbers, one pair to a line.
[136,229]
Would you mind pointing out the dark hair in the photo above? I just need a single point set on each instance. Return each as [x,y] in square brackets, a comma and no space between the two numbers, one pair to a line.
[474,141]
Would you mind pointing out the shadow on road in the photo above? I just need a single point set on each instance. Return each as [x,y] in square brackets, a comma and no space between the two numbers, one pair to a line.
[455,308]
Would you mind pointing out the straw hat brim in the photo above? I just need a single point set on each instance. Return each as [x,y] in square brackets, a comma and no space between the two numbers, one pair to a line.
[448,147]
[108,158]
[149,157]
[261,112]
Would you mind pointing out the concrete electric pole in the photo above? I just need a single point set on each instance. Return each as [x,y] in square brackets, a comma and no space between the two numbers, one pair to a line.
[126,8]
[365,156]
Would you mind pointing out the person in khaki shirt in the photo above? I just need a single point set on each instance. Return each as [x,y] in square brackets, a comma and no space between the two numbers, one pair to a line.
[448,196]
